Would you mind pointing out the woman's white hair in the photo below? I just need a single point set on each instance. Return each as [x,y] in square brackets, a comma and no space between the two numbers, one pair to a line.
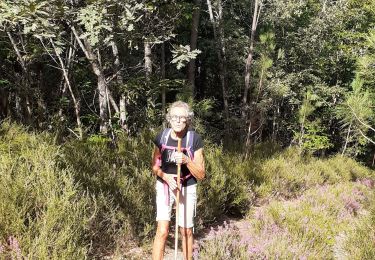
[181,104]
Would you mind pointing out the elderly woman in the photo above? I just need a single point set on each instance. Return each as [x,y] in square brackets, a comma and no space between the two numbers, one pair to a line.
[164,165]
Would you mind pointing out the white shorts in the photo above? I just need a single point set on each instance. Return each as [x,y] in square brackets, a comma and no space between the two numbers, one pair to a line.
[187,207]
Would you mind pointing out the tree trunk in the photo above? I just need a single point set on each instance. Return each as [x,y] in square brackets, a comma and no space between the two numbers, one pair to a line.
[163,90]
[260,85]
[25,104]
[148,61]
[123,113]
[69,59]
[103,104]
[4,103]
[347,139]
[249,60]
[76,102]
[112,101]
[18,108]
[219,37]
[275,124]
[193,45]
[223,63]
[102,85]
[248,140]
[120,81]
[302,133]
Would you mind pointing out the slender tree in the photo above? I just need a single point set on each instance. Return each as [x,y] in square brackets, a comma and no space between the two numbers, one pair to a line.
[249,59]
[217,22]
[193,43]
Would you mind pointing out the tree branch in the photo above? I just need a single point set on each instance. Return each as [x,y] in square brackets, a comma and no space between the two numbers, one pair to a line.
[359,120]
[367,138]
[88,56]
[14,44]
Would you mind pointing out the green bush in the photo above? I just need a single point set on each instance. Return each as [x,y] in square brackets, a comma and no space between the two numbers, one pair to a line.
[84,199]
[43,213]
[121,177]
[226,188]
[308,226]
[288,174]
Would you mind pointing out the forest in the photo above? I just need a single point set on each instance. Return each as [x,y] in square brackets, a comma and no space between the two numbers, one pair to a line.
[283,94]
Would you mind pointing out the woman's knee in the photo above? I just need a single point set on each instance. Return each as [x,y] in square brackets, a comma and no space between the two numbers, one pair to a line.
[186,232]
[162,232]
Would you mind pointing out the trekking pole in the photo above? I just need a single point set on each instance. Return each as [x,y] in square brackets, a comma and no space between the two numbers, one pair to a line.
[177,199]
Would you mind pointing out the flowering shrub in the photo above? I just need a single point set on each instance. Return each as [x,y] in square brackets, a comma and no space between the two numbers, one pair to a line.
[358,242]
[289,175]
[222,243]
[311,226]
[307,226]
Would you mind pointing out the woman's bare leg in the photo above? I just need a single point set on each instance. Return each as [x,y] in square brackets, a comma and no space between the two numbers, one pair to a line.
[160,238]
[187,242]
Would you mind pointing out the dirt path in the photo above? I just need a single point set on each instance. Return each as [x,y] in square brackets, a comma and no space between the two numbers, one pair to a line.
[140,254]
[240,224]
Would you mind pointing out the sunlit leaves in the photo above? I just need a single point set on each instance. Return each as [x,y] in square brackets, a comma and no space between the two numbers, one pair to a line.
[182,55]
[357,112]
[92,18]
[307,106]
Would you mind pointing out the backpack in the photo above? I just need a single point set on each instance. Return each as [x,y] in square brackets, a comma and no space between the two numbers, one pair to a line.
[188,146]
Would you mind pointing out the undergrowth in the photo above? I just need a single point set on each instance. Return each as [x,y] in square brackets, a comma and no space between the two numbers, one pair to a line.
[88,199]
[310,209]
[44,213]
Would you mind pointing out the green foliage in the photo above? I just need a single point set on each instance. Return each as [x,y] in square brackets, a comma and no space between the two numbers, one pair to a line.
[97,194]
[97,19]
[313,65]
[182,55]
[288,175]
[366,62]
[144,107]
[227,187]
[309,226]
[356,113]
[314,137]
[89,199]
[332,218]
[300,46]
[307,107]
[83,199]
[122,175]
[42,209]
[92,17]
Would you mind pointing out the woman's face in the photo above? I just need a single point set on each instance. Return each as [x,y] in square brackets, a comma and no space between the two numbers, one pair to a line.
[178,119]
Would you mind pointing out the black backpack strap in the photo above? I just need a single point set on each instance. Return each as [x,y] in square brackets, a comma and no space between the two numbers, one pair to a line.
[190,143]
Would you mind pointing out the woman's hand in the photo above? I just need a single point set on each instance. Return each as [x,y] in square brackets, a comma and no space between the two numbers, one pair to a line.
[180,157]
[169,179]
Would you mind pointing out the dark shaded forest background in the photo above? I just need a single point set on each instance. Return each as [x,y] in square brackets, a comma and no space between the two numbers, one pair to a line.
[294,72]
